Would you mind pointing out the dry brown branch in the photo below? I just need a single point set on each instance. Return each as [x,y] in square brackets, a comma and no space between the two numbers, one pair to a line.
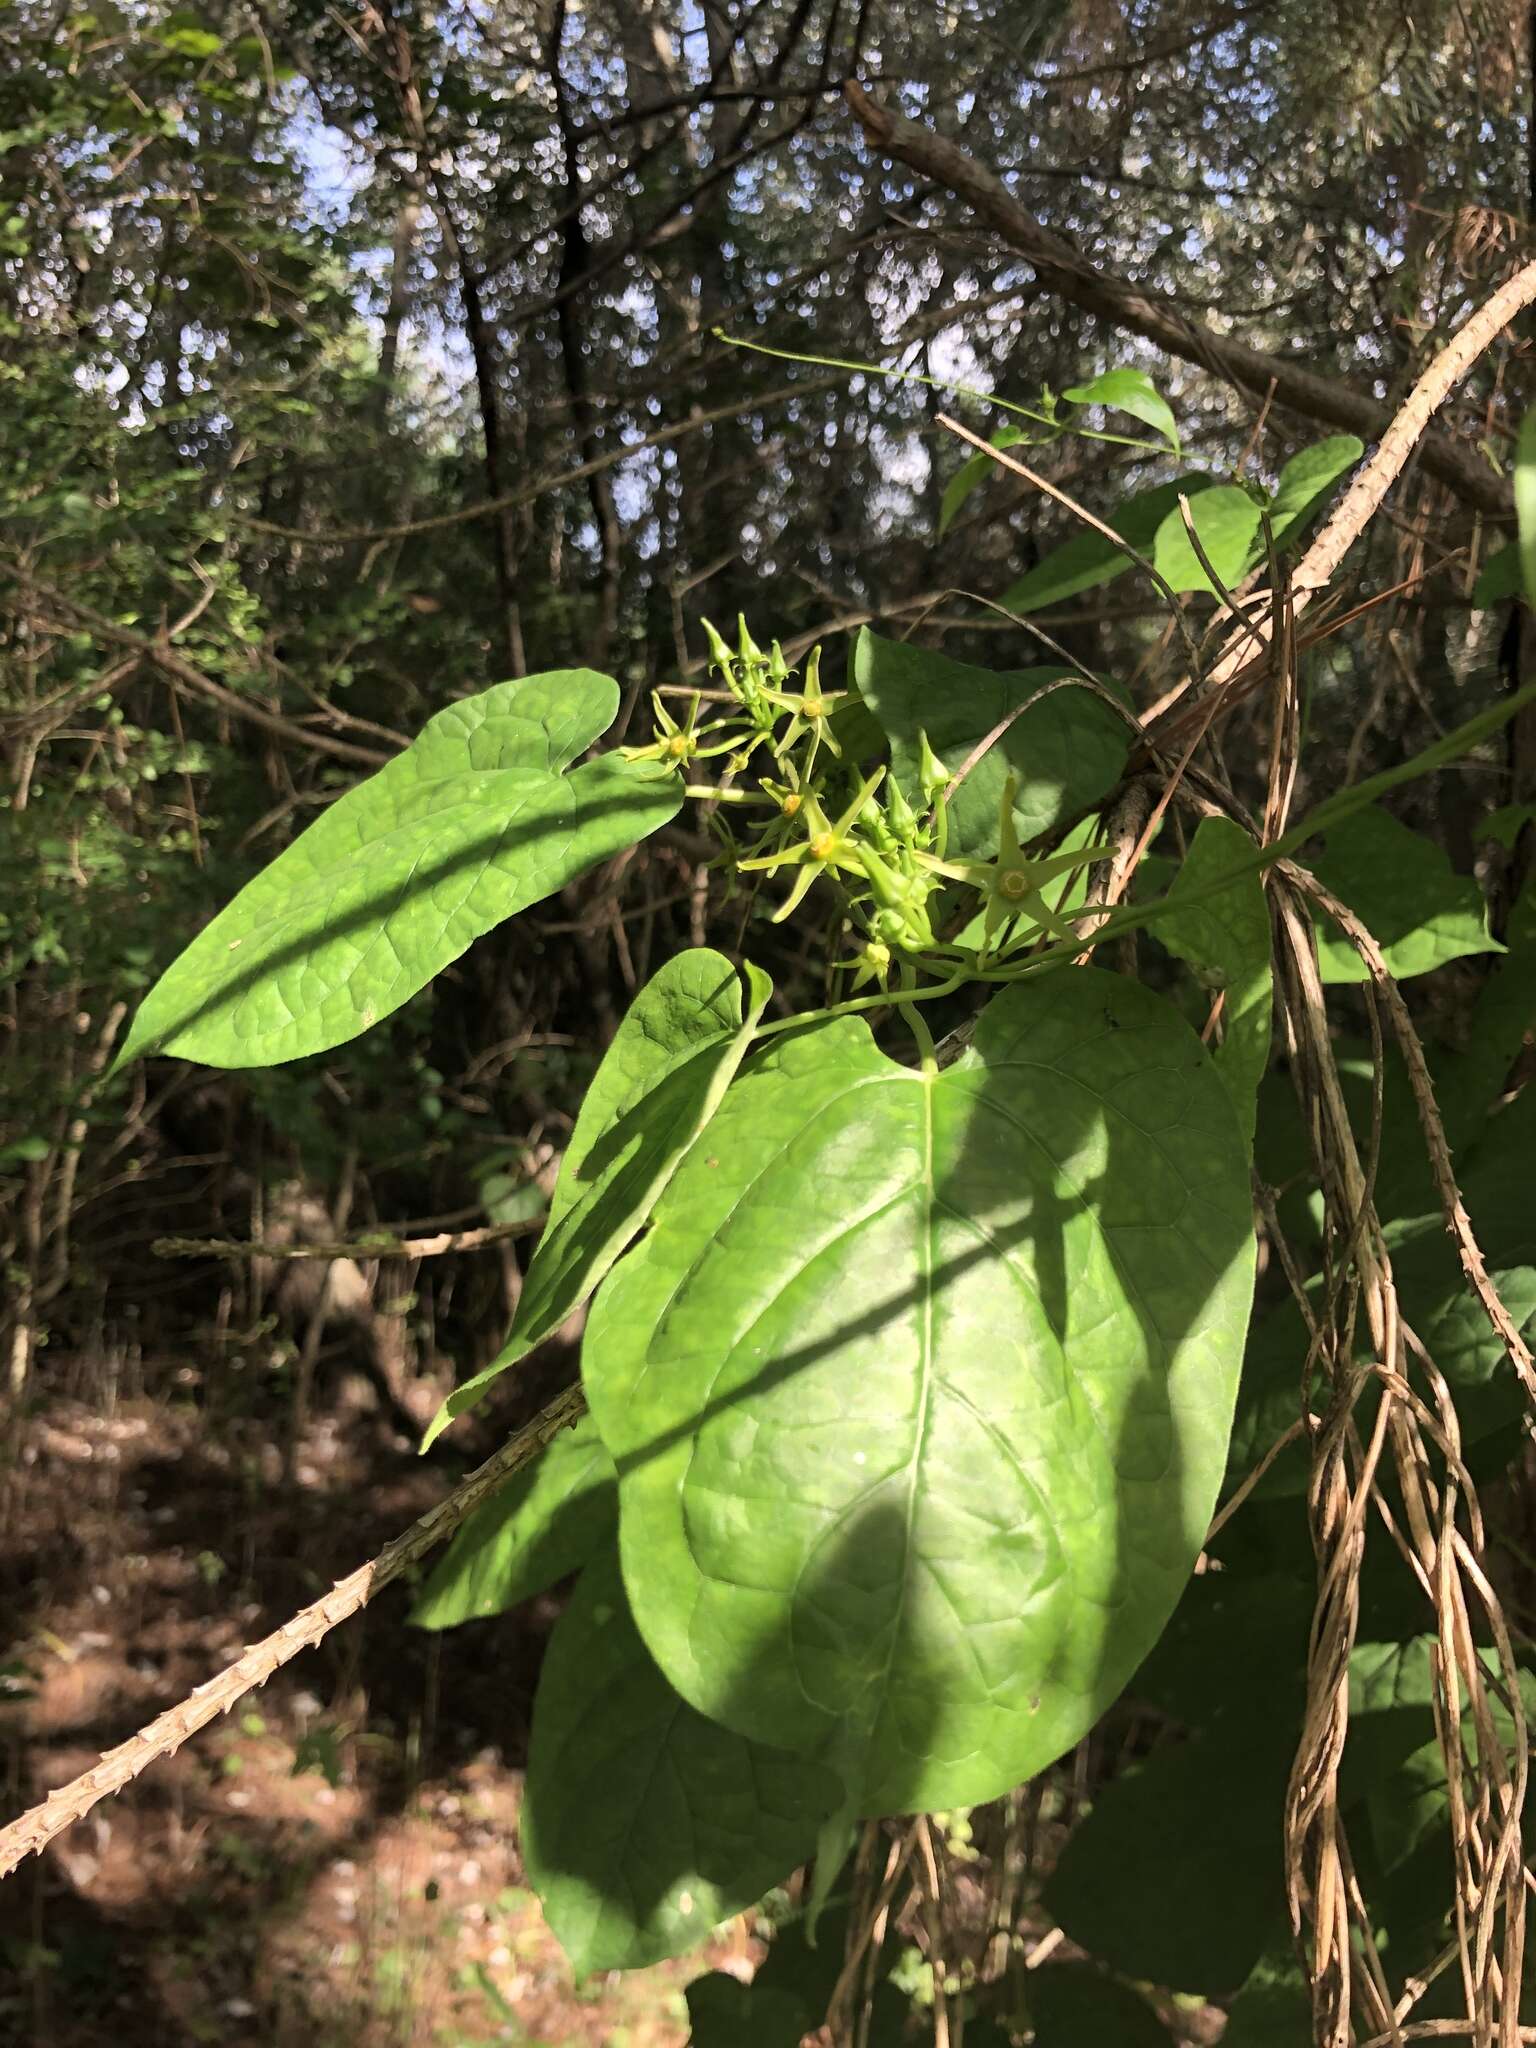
[1442,1539]
[1237,663]
[1156,317]
[165,658]
[168,1731]
[379,1244]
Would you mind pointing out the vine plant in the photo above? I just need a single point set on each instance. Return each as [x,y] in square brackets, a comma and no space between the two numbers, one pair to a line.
[923,1367]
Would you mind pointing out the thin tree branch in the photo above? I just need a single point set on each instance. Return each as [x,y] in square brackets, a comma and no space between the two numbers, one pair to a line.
[374,1245]
[489,507]
[1355,510]
[168,1731]
[1156,317]
[162,655]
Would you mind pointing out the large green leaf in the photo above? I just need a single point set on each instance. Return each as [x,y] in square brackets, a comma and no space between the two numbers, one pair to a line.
[1225,939]
[1071,2006]
[971,472]
[789,1995]
[474,821]
[1130,391]
[1177,1874]
[1269,1401]
[660,1082]
[1225,520]
[1274,2007]
[545,1522]
[1499,578]
[1307,478]
[1066,750]
[1405,891]
[643,1824]
[919,1388]
[1089,559]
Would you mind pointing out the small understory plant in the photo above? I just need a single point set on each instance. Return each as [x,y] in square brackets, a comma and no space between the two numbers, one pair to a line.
[930,1403]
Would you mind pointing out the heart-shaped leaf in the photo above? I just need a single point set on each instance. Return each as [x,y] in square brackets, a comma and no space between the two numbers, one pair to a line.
[1066,749]
[1225,939]
[545,1522]
[1134,392]
[1307,478]
[919,1387]
[473,822]
[1225,520]
[971,472]
[643,1824]
[1405,891]
[1089,559]
[660,1082]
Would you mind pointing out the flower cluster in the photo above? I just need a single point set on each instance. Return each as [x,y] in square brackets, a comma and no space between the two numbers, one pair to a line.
[884,847]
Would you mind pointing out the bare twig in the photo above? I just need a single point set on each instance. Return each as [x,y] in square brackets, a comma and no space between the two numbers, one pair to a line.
[1157,318]
[379,1244]
[168,1731]
[160,652]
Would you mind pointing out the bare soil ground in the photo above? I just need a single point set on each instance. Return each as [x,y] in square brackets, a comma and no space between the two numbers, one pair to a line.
[335,1866]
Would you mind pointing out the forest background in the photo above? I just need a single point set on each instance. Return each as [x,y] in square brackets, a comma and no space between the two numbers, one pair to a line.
[353,357]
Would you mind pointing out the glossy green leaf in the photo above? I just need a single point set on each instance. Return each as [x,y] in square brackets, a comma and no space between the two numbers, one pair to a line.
[1089,559]
[1274,2007]
[1225,938]
[1130,391]
[1405,891]
[919,1387]
[1470,1080]
[1308,478]
[660,1082]
[1505,825]
[473,822]
[971,473]
[1269,1402]
[1071,2006]
[1474,1360]
[1066,750]
[1225,519]
[1177,1875]
[789,1995]
[644,1825]
[546,1522]
[1499,578]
